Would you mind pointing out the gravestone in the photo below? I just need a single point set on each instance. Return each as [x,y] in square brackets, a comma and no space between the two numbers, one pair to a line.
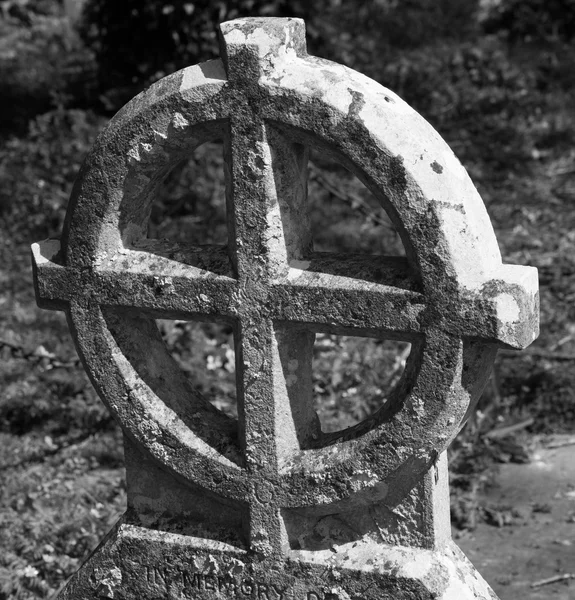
[269,507]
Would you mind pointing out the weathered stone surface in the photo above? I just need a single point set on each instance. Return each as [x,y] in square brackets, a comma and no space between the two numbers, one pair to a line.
[271,506]
[156,564]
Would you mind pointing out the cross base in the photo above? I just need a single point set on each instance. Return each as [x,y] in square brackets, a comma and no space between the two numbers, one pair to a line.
[135,562]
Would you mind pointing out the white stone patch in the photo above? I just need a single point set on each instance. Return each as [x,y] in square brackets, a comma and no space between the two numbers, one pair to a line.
[309,81]
[274,233]
[287,52]
[469,261]
[339,593]
[450,162]
[286,56]
[363,479]
[108,582]
[195,76]
[297,269]
[279,56]
[179,121]
[381,98]
[457,590]
[390,127]
[337,95]
[45,251]
[471,588]
[418,567]
[295,273]
[417,405]
[507,308]
[133,154]
[236,35]
[159,136]
[264,42]
[526,277]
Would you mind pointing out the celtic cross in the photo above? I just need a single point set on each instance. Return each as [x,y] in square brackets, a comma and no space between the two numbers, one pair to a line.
[451,297]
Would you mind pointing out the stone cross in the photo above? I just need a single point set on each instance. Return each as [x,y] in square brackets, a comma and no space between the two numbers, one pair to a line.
[269,507]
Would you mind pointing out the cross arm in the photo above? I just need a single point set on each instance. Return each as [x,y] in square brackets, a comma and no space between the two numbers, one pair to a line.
[143,279]
[351,294]
[378,296]
[504,309]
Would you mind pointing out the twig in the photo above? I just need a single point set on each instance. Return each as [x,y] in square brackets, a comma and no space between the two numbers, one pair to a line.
[554,579]
[539,352]
[398,367]
[562,341]
[558,172]
[497,398]
[504,431]
[495,388]
[480,417]
[569,442]
[353,200]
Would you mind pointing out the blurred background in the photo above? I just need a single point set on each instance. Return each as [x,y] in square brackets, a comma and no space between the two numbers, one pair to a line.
[495,78]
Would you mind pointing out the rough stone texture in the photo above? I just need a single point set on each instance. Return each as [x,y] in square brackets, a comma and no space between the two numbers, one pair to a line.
[272,507]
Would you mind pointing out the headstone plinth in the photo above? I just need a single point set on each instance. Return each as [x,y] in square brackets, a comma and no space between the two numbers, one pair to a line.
[269,507]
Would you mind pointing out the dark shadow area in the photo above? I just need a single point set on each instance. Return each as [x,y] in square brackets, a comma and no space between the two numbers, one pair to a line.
[190,205]
[345,216]
[387,270]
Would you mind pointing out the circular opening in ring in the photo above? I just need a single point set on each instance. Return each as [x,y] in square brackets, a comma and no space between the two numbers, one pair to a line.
[354,377]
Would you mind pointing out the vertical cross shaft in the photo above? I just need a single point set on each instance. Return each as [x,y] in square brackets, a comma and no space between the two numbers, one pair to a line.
[266,196]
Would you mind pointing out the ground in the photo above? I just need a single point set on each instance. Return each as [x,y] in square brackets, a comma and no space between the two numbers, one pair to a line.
[530,553]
